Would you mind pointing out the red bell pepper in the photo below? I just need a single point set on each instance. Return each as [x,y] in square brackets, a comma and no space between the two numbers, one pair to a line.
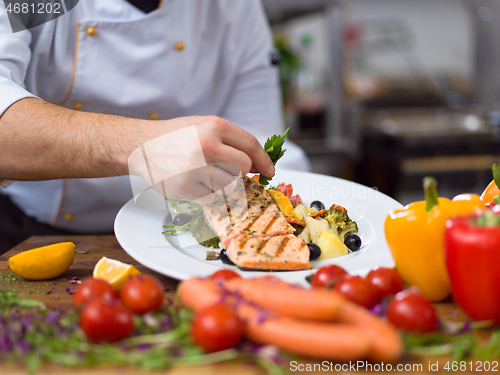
[472,253]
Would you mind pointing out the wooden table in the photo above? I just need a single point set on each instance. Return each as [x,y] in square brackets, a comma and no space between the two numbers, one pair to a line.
[54,294]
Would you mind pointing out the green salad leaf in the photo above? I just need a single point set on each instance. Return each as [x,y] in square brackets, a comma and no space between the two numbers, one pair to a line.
[274,148]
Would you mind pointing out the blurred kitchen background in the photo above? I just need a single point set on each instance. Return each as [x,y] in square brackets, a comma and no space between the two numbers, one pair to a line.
[384,92]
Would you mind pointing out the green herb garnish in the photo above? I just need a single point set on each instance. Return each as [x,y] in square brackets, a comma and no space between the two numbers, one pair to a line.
[274,148]
[9,299]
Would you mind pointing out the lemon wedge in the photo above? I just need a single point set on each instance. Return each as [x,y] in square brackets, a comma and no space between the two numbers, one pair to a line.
[114,272]
[282,201]
[45,262]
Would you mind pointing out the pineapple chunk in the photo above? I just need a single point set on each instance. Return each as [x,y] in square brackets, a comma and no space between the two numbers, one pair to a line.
[330,244]
[316,226]
[300,212]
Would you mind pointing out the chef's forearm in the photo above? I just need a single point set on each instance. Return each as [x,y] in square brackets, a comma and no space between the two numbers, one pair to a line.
[42,141]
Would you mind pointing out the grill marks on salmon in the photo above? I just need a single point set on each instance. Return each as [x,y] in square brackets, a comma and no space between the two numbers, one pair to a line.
[280,253]
[248,210]
[254,231]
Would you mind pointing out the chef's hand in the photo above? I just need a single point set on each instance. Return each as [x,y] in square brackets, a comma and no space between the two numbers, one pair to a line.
[194,157]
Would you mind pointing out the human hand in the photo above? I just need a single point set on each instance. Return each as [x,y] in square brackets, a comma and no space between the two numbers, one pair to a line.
[194,157]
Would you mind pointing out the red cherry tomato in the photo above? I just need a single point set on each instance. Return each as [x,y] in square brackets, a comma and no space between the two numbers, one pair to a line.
[358,290]
[106,320]
[386,281]
[92,288]
[410,311]
[326,275]
[142,293]
[223,275]
[216,328]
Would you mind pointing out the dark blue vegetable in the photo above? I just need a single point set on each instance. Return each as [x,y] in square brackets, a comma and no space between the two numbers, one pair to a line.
[318,205]
[353,242]
[314,251]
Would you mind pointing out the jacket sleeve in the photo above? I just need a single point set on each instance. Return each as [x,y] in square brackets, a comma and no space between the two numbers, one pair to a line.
[15,55]
[255,103]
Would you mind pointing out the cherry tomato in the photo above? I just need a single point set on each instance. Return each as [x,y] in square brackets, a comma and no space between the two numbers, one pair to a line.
[223,275]
[386,281]
[410,311]
[142,293]
[105,320]
[326,275]
[216,328]
[91,288]
[358,290]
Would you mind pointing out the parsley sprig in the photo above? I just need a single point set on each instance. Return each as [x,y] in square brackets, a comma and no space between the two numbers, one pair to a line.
[274,148]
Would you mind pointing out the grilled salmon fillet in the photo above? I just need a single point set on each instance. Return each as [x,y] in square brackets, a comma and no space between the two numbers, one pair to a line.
[280,253]
[248,216]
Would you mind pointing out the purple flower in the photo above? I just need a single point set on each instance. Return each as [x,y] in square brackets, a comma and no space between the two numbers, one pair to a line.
[380,309]
[52,317]
[5,342]
[23,346]
[142,347]
[165,323]
[467,327]
[261,318]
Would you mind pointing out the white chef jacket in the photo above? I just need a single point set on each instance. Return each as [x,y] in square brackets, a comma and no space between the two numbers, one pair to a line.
[189,57]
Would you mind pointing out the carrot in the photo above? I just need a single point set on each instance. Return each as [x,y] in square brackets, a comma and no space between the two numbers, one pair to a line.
[319,304]
[318,213]
[274,294]
[198,294]
[338,207]
[386,344]
[294,221]
[340,342]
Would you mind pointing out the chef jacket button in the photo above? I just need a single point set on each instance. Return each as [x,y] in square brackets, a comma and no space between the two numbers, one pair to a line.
[179,46]
[91,31]
[153,116]
[77,105]
[68,216]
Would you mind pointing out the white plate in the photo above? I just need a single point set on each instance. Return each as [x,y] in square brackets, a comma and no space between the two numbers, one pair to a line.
[139,231]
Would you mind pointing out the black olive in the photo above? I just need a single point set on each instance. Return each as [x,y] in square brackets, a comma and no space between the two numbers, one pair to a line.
[224,258]
[314,251]
[353,242]
[318,205]
[181,219]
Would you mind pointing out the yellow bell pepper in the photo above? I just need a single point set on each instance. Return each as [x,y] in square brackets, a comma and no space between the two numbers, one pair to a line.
[415,235]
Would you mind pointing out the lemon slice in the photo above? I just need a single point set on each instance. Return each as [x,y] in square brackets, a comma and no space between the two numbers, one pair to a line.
[44,262]
[282,201]
[114,272]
